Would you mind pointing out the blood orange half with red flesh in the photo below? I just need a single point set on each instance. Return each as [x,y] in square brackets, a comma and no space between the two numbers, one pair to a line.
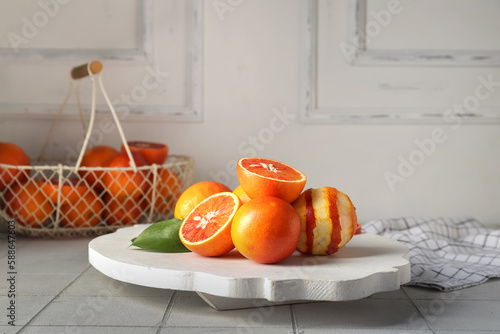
[207,228]
[153,153]
[261,177]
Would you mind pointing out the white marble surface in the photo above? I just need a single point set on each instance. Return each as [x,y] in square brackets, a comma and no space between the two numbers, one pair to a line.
[58,291]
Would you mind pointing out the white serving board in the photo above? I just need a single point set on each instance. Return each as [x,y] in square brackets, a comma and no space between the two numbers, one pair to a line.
[366,265]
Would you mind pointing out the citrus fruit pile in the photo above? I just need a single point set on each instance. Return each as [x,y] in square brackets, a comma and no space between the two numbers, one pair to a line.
[104,190]
[267,217]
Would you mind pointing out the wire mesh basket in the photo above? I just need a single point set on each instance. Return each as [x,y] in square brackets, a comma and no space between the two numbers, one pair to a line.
[61,198]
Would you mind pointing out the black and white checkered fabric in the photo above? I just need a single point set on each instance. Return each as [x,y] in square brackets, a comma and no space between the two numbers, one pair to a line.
[445,253]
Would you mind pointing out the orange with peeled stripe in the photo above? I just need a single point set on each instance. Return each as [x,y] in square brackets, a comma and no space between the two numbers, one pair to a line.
[328,220]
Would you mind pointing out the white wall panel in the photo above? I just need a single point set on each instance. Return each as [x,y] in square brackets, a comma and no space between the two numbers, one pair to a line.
[252,78]
[349,75]
[152,53]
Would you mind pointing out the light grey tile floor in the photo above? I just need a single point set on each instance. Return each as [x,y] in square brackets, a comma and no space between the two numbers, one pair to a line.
[59,292]
[88,330]
[398,314]
[93,283]
[102,311]
[43,284]
[362,331]
[224,330]
[26,307]
[188,311]
[461,314]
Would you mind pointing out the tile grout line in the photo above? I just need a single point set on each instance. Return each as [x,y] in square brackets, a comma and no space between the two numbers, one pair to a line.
[295,325]
[168,310]
[55,297]
[418,311]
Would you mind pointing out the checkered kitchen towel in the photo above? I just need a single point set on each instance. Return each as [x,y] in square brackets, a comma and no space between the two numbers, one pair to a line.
[445,253]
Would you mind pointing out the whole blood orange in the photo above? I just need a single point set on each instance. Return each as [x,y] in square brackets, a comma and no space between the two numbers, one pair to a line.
[123,184]
[196,193]
[127,212]
[97,156]
[11,154]
[238,191]
[26,203]
[328,220]
[266,229]
[153,153]
[85,212]
[207,228]
[71,190]
[265,177]
[167,190]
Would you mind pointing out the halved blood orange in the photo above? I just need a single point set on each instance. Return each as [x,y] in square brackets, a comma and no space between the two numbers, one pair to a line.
[153,153]
[196,193]
[261,177]
[207,228]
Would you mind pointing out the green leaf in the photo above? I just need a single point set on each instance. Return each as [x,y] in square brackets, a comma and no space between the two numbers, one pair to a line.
[162,237]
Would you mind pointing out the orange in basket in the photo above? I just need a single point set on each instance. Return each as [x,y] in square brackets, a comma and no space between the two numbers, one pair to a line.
[85,212]
[126,212]
[168,189]
[71,190]
[124,184]
[153,153]
[27,204]
[12,154]
[100,191]
[97,156]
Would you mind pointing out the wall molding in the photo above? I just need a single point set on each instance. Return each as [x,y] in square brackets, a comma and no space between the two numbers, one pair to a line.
[191,111]
[311,113]
[144,36]
[364,56]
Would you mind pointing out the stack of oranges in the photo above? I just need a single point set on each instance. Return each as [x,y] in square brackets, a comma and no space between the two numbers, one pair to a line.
[267,217]
[105,189]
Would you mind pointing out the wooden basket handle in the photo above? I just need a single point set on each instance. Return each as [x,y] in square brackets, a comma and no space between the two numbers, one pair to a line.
[82,71]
